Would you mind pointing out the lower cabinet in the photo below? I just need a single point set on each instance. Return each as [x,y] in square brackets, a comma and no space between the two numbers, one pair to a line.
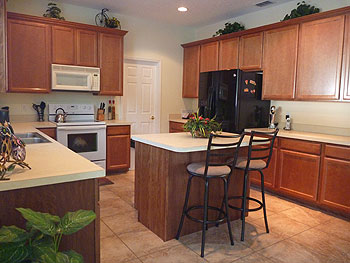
[118,148]
[51,132]
[176,127]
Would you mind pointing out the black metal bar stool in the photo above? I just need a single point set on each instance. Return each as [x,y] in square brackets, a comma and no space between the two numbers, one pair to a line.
[258,163]
[210,170]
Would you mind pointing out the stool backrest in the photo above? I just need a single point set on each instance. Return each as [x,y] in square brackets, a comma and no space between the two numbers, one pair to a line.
[264,151]
[228,157]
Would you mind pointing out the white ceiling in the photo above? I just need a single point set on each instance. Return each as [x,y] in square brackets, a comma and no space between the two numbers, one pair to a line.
[200,12]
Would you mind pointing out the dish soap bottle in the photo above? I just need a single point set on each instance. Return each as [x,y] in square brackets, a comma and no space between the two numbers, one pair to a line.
[113,110]
[288,123]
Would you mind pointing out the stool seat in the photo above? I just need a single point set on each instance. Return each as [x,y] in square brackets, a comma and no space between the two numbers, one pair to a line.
[253,164]
[199,168]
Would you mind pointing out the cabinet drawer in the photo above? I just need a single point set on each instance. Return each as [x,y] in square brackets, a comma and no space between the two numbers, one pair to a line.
[338,152]
[178,126]
[118,130]
[301,146]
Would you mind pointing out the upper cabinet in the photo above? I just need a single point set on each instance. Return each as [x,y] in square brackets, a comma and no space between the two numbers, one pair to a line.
[29,56]
[280,59]
[346,61]
[190,83]
[251,52]
[209,57]
[111,64]
[320,59]
[34,43]
[63,45]
[228,53]
[87,49]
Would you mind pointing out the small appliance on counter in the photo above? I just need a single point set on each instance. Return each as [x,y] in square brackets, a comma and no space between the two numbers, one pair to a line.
[273,124]
[288,123]
[186,114]
[40,110]
[81,132]
[4,114]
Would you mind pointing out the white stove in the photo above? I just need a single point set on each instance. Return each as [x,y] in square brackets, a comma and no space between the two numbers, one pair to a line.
[81,133]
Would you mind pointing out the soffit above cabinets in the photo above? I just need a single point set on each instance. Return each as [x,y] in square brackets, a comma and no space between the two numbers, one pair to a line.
[200,12]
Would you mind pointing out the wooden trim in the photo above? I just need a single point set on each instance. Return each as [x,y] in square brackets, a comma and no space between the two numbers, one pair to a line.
[335,12]
[345,81]
[118,130]
[3,41]
[57,22]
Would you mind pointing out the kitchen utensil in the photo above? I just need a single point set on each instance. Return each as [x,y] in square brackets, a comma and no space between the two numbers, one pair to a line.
[60,117]
[272,118]
[40,109]
[4,115]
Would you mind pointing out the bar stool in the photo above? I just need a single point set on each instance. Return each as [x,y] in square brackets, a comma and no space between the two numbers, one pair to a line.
[212,169]
[255,163]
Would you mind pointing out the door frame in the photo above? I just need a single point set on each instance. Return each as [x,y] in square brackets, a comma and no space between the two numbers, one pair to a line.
[157,94]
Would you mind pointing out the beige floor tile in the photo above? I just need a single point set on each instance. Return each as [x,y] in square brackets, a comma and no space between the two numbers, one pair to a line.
[337,227]
[105,231]
[323,243]
[282,225]
[217,245]
[307,216]
[177,254]
[255,237]
[277,205]
[124,223]
[115,206]
[145,242]
[113,250]
[290,252]
[107,195]
[253,258]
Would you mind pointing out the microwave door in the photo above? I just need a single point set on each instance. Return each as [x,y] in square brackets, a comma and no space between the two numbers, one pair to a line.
[71,81]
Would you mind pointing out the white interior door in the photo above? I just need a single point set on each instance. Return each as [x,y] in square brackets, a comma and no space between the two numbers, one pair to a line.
[141,98]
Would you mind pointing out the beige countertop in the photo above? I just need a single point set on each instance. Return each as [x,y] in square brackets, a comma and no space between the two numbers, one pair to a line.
[180,142]
[309,136]
[51,163]
[49,124]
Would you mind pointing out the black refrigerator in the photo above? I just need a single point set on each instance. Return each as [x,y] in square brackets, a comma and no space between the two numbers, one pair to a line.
[234,97]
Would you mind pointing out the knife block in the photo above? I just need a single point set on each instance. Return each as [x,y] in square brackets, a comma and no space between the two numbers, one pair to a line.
[100,115]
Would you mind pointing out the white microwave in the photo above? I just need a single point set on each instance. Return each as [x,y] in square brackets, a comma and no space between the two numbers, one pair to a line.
[75,78]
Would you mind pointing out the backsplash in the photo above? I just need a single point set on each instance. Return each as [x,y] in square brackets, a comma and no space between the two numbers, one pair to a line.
[21,104]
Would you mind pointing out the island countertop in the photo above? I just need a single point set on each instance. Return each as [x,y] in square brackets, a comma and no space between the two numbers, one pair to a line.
[180,142]
[51,163]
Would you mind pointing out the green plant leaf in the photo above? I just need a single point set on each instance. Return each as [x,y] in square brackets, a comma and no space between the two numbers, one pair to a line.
[41,221]
[74,257]
[74,221]
[12,234]
[62,258]
[44,249]
[14,252]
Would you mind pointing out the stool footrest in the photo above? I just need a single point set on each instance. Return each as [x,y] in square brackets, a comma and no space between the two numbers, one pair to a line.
[219,220]
[248,198]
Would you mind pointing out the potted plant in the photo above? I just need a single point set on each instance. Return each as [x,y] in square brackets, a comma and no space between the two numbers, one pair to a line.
[229,28]
[53,11]
[302,10]
[40,241]
[201,127]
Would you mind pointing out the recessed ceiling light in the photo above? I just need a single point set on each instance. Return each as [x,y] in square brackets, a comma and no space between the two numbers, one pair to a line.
[182,9]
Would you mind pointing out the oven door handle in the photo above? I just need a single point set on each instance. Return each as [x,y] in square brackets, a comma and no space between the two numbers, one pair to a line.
[82,128]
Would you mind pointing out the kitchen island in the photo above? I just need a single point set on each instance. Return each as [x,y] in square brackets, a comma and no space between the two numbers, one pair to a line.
[59,181]
[161,181]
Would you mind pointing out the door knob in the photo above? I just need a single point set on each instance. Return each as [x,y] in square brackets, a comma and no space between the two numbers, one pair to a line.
[152,117]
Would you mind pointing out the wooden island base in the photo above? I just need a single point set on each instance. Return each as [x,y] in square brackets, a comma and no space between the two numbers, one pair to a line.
[160,187]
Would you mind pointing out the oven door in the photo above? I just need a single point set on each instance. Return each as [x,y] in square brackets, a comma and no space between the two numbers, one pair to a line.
[88,141]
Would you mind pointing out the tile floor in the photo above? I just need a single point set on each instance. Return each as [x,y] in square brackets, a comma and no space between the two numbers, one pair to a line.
[297,234]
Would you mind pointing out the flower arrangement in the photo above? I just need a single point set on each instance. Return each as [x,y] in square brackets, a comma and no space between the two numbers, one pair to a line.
[12,151]
[201,127]
[113,23]
[53,11]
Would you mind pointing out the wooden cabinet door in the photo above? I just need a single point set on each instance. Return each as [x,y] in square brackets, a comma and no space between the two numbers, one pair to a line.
[280,59]
[87,53]
[336,184]
[209,60]
[320,59]
[51,132]
[190,83]
[63,45]
[29,56]
[251,52]
[111,64]
[176,127]
[298,174]
[269,173]
[118,152]
[228,54]
[346,61]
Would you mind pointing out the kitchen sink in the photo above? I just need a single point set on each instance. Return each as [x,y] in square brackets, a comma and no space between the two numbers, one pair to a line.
[32,138]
